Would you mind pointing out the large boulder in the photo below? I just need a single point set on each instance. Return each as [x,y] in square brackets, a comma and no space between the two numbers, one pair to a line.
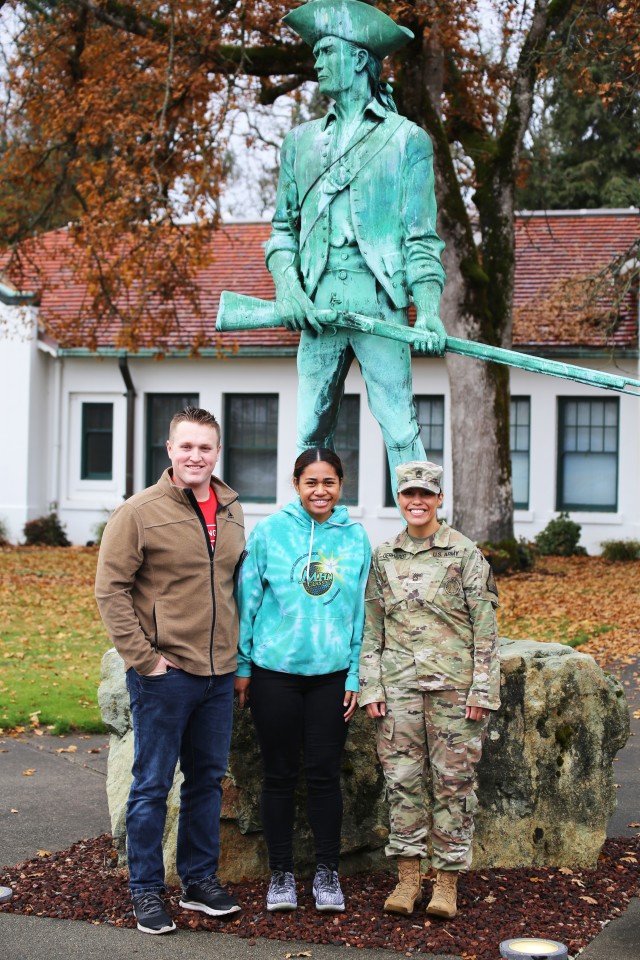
[545,780]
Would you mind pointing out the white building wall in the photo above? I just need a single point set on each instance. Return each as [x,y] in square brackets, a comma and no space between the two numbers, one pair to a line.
[23,424]
[83,504]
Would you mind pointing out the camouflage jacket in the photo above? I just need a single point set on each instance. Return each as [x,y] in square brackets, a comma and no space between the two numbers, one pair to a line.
[435,604]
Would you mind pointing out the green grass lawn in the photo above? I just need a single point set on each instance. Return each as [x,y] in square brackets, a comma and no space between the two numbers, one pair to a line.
[51,639]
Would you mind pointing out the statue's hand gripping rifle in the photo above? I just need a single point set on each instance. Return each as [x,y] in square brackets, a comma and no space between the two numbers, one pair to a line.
[238,312]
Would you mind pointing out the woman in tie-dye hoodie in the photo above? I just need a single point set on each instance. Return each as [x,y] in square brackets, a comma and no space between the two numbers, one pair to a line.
[301,597]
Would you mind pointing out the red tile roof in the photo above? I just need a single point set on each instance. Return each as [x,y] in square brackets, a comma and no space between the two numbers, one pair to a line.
[563,293]
[550,251]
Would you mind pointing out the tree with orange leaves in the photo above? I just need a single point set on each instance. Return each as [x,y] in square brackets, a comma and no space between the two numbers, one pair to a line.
[113,121]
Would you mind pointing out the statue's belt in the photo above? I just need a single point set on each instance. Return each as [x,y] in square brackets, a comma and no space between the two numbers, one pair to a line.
[360,154]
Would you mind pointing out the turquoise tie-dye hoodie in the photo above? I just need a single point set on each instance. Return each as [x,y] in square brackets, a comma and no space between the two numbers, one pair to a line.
[301,593]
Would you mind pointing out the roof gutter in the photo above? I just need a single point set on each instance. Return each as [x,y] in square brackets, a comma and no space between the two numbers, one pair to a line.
[15,298]
[123,366]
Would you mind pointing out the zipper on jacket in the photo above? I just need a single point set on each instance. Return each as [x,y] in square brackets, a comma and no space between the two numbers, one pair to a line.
[207,539]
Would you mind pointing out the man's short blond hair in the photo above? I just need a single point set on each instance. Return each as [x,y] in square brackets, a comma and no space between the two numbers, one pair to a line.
[194,415]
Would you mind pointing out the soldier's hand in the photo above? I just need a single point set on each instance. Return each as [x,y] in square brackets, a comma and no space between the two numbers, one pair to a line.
[376,710]
[431,336]
[476,713]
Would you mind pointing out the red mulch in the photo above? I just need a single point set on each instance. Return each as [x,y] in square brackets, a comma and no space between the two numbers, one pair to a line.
[570,906]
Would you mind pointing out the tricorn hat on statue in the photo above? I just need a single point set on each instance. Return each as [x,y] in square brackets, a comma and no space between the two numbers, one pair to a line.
[351,20]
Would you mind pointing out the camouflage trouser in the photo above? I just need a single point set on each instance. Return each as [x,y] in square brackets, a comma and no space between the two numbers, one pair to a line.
[429,752]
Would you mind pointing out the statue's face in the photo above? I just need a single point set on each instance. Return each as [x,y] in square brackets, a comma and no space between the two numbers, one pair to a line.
[337,62]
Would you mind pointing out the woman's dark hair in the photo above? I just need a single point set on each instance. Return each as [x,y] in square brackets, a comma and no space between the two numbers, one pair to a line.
[315,455]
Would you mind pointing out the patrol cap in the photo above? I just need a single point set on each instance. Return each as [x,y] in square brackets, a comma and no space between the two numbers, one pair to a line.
[351,20]
[419,473]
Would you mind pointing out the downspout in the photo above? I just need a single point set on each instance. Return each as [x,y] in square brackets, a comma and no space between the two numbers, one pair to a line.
[131,402]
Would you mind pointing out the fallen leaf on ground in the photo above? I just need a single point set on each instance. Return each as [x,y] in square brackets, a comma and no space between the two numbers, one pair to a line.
[44,853]
[71,749]
[305,953]
[13,810]
[589,900]
[28,773]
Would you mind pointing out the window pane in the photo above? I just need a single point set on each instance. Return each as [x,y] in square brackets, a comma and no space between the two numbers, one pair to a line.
[520,480]
[588,455]
[430,417]
[600,491]
[520,412]
[97,441]
[347,444]
[251,437]
[161,408]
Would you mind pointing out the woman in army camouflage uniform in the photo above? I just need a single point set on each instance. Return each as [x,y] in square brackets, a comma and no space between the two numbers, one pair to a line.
[429,677]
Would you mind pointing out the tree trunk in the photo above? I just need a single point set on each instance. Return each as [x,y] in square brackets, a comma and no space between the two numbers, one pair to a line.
[479,392]
[479,418]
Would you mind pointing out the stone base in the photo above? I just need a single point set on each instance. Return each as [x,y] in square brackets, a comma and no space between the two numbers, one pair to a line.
[545,780]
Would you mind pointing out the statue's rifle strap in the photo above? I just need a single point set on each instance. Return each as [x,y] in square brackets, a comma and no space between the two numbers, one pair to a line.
[370,144]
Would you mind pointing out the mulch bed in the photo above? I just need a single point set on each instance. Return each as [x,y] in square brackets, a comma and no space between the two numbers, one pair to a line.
[570,906]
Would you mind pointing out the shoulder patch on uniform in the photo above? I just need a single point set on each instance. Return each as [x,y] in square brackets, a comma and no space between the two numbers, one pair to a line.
[491,583]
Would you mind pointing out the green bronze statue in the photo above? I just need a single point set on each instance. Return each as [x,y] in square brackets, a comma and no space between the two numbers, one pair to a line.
[354,229]
[354,241]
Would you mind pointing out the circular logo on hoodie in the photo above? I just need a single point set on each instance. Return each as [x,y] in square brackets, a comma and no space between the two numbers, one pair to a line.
[318,581]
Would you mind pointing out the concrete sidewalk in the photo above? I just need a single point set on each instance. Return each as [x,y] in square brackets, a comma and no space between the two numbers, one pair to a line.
[64,800]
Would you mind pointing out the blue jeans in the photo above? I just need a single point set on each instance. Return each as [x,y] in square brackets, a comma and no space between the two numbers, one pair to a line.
[177,716]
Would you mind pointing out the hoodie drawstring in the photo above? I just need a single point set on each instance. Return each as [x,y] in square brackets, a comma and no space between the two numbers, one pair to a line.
[310,548]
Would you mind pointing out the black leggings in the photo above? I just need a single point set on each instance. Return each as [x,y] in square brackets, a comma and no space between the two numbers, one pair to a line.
[292,711]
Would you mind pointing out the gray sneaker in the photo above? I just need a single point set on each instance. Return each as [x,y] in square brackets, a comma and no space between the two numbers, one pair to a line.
[281,894]
[326,889]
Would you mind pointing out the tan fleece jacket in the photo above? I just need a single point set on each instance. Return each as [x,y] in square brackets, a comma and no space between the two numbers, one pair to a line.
[159,587]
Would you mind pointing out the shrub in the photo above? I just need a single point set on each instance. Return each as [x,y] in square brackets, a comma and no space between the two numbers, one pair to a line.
[98,530]
[508,555]
[624,550]
[560,538]
[46,532]
[4,534]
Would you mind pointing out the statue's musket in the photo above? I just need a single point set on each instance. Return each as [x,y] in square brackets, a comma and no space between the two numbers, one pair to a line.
[238,312]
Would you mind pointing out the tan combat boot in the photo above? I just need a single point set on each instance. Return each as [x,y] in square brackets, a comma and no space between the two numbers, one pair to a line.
[443,898]
[408,891]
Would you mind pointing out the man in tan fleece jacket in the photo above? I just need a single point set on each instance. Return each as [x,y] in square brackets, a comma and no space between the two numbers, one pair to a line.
[165,589]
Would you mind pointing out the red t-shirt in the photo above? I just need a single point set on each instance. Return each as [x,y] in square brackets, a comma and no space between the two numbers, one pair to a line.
[209,508]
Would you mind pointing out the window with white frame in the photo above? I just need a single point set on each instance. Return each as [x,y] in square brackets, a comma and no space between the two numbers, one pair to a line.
[520,439]
[587,454]
[95,445]
[347,444]
[96,456]
[430,417]
[161,408]
[250,445]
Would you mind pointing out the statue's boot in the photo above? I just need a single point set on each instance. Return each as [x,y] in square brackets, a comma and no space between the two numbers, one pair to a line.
[443,900]
[408,891]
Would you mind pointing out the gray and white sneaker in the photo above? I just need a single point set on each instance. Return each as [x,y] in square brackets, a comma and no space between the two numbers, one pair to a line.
[281,894]
[326,889]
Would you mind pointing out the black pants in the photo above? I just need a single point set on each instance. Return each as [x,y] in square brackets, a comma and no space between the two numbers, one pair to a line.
[291,712]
